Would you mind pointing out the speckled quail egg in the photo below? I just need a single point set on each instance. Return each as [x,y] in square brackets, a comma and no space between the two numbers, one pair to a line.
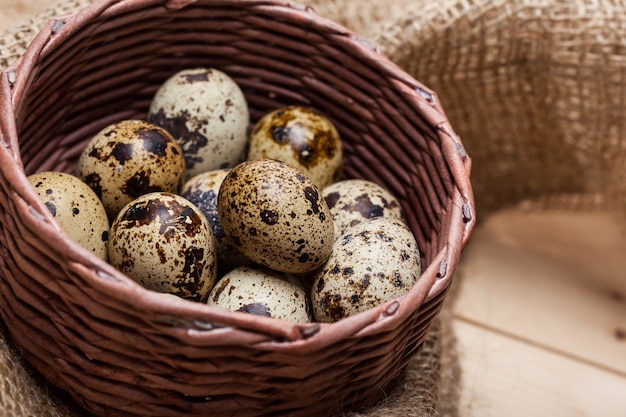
[261,292]
[76,208]
[165,243]
[275,216]
[302,137]
[207,112]
[375,261]
[202,190]
[353,200]
[130,158]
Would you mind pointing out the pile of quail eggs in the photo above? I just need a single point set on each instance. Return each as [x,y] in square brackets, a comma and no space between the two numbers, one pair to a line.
[192,202]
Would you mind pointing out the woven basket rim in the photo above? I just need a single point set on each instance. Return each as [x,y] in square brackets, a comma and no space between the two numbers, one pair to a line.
[191,317]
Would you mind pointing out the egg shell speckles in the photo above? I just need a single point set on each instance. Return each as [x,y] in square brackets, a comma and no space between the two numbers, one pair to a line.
[207,113]
[375,261]
[261,292]
[128,159]
[275,216]
[202,190]
[76,208]
[165,243]
[353,200]
[301,137]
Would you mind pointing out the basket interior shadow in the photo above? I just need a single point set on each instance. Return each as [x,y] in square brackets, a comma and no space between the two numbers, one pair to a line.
[120,349]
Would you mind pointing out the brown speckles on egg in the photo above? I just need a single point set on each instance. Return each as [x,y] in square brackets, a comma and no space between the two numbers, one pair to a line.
[139,184]
[172,214]
[202,190]
[207,113]
[154,142]
[377,261]
[275,216]
[196,76]
[191,141]
[262,292]
[354,200]
[51,207]
[165,243]
[219,289]
[332,306]
[259,309]
[301,137]
[128,159]
[269,217]
[192,270]
[332,198]
[122,152]
[94,182]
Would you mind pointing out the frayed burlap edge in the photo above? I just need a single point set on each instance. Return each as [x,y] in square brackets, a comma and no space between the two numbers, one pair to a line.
[428,388]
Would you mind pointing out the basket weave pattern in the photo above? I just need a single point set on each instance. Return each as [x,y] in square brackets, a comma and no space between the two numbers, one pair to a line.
[122,350]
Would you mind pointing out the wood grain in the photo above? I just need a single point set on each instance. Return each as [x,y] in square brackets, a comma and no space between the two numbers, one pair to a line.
[522,290]
[508,377]
[541,316]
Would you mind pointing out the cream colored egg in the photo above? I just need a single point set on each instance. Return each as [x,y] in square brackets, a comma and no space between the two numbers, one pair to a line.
[261,292]
[76,208]
[375,261]
[165,243]
[301,137]
[207,112]
[275,216]
[202,190]
[353,200]
[128,159]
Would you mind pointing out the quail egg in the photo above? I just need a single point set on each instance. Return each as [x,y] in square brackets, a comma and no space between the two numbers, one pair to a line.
[375,261]
[76,208]
[302,137]
[275,216]
[261,292]
[165,243]
[353,200]
[207,113]
[202,190]
[128,159]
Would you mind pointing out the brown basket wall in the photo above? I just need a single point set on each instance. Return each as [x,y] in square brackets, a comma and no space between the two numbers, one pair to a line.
[122,350]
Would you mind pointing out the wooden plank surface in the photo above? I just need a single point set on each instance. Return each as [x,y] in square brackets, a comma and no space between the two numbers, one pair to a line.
[513,286]
[541,327]
[505,377]
[592,243]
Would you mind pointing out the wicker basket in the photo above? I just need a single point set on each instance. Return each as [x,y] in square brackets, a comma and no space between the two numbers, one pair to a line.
[121,350]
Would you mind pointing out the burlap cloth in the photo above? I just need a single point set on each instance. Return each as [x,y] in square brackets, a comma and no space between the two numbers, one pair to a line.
[535,88]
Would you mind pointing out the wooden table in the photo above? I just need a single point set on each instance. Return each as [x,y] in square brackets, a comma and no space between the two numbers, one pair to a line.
[541,312]
[541,316]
